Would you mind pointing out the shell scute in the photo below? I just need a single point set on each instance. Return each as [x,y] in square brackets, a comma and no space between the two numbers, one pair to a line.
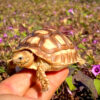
[60,39]
[33,40]
[48,44]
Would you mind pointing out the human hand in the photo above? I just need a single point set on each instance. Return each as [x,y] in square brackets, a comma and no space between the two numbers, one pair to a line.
[25,86]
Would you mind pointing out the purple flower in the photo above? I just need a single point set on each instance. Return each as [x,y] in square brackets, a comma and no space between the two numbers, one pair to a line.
[71,32]
[15,36]
[4,35]
[9,5]
[98,31]
[54,12]
[23,15]
[4,20]
[76,47]
[96,69]
[10,27]
[71,11]
[14,13]
[89,16]
[98,8]
[95,41]
[87,6]
[84,40]
[1,40]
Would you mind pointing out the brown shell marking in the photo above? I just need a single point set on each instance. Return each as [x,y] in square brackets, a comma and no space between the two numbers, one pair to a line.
[53,47]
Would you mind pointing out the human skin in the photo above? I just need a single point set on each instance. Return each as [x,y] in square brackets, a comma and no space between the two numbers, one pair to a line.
[25,86]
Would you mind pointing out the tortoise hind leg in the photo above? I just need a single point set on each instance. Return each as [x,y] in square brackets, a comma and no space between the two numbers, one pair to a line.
[81,61]
[42,77]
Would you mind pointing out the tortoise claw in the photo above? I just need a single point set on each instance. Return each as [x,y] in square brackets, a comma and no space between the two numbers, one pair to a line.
[45,84]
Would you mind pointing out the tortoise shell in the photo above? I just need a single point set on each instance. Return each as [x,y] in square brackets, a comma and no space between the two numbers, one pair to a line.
[51,46]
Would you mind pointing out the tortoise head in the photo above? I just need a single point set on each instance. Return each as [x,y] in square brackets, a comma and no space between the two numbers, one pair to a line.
[23,58]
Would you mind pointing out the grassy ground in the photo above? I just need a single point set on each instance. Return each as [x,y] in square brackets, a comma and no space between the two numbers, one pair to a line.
[78,19]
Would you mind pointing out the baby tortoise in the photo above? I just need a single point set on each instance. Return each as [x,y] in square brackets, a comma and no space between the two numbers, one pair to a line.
[46,50]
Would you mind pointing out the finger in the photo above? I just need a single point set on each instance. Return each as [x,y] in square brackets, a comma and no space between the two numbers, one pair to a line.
[17,84]
[55,80]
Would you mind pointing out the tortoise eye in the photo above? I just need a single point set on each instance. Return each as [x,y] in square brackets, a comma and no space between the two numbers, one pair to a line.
[20,58]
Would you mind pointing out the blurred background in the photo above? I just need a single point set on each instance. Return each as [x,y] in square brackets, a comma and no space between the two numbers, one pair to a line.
[77,19]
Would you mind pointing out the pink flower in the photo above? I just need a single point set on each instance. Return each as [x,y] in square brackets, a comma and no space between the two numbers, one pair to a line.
[15,36]
[89,16]
[1,40]
[96,69]
[95,41]
[9,5]
[71,32]
[4,35]
[23,15]
[87,6]
[98,31]
[54,12]
[10,27]
[14,13]
[71,11]
[76,47]
[84,40]
[4,20]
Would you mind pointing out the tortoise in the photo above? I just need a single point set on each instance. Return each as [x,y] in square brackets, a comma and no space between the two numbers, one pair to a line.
[46,50]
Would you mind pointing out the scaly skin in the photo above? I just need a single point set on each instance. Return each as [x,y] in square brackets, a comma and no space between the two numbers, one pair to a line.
[42,77]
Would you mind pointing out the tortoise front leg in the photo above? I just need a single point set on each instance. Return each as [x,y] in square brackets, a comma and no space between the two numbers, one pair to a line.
[10,64]
[42,77]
